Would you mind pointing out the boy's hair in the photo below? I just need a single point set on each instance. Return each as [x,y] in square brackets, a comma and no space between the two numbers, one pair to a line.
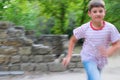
[96,3]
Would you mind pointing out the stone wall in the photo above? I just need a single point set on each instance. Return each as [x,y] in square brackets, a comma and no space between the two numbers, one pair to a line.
[20,53]
[57,43]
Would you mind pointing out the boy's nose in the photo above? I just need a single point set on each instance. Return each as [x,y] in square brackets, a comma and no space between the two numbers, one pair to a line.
[98,13]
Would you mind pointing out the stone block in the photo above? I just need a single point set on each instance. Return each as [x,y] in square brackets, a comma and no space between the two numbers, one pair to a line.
[24,50]
[8,50]
[5,25]
[13,42]
[4,59]
[3,34]
[25,59]
[56,67]
[75,58]
[27,66]
[26,41]
[4,68]
[49,58]
[39,58]
[32,58]
[72,65]
[6,73]
[79,65]
[13,33]
[15,59]
[41,67]
[40,49]
[14,67]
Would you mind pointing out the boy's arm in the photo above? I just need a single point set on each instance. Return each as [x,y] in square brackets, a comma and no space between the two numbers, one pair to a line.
[72,43]
[113,48]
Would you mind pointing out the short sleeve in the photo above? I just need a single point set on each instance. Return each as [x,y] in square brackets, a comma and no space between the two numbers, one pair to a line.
[79,32]
[115,35]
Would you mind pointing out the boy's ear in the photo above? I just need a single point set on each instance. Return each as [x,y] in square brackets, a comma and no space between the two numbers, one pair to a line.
[89,13]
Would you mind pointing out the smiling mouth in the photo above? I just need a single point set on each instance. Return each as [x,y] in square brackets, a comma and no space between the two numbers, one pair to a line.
[97,17]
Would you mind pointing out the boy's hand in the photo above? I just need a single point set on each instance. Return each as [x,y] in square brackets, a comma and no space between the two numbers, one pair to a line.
[103,51]
[66,61]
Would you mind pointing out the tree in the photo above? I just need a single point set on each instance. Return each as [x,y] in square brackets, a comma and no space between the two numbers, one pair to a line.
[53,16]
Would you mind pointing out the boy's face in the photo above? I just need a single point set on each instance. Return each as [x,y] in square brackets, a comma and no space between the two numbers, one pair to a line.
[97,14]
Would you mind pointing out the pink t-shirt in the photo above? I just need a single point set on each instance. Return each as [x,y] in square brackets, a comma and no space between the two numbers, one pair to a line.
[94,39]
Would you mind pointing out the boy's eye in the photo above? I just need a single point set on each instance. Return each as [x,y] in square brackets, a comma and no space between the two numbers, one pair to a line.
[98,11]
[94,11]
[101,11]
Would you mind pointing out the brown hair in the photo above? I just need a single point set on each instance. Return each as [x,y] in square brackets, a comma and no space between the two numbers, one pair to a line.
[96,3]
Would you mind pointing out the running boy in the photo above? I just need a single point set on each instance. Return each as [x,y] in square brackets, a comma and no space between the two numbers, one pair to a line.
[98,35]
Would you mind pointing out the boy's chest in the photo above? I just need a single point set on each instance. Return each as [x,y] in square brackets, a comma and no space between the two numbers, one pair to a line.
[97,35]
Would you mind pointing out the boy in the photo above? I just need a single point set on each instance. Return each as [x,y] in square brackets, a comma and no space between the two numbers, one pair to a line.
[98,35]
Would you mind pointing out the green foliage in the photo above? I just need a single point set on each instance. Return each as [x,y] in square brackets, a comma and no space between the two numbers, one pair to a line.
[113,11]
[21,13]
[53,16]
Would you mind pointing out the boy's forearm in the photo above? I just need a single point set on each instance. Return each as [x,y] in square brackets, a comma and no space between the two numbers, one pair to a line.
[112,49]
[72,43]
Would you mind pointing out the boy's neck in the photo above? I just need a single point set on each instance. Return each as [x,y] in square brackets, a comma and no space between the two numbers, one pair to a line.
[97,24]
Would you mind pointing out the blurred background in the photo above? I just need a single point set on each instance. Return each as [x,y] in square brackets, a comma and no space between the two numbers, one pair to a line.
[53,16]
[56,17]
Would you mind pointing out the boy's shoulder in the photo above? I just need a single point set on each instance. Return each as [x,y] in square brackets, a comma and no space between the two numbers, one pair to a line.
[109,24]
[85,24]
